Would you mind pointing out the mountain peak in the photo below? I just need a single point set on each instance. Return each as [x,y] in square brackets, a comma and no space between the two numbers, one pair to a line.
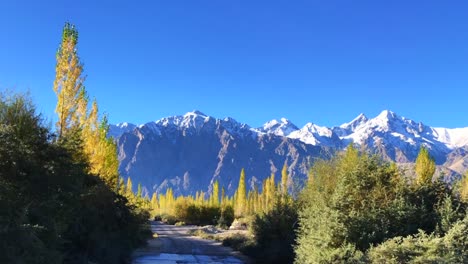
[387,114]
[282,127]
[196,112]
[360,119]
[125,124]
[285,121]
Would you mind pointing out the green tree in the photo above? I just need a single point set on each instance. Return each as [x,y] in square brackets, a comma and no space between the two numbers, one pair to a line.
[351,202]
[424,167]
[463,187]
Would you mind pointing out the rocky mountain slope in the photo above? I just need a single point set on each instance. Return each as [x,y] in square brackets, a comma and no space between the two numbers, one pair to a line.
[190,152]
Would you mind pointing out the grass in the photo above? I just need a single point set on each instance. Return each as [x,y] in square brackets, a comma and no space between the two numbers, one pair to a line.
[240,242]
[180,223]
[237,241]
[202,234]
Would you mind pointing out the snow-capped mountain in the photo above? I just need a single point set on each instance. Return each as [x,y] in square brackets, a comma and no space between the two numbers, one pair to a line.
[453,138]
[317,136]
[348,128]
[283,127]
[395,137]
[188,152]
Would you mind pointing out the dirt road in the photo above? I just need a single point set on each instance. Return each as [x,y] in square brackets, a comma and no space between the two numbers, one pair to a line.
[174,245]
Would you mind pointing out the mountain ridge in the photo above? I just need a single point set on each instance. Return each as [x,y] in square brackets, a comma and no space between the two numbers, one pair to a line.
[451,137]
[196,149]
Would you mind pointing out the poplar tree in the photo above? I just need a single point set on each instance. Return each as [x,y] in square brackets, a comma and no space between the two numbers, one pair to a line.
[424,167]
[269,193]
[284,180]
[463,187]
[74,115]
[139,191]
[241,195]
[223,196]
[154,202]
[68,83]
[214,201]
[128,190]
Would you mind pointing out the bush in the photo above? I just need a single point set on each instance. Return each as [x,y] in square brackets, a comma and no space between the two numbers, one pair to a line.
[275,233]
[209,215]
[169,219]
[423,248]
[197,215]
[227,217]
[357,200]
[240,243]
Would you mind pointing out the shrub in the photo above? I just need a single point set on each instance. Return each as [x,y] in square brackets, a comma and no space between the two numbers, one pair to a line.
[275,233]
[197,215]
[424,248]
[169,219]
[227,217]
[240,243]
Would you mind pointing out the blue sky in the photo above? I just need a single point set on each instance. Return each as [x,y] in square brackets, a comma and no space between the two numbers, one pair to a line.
[309,61]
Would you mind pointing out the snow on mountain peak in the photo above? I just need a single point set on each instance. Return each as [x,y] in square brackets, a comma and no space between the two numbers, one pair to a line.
[316,135]
[195,113]
[387,127]
[125,124]
[284,120]
[386,115]
[283,127]
[361,118]
[120,128]
[453,137]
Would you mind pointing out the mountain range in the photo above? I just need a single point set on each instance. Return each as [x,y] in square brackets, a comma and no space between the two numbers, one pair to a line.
[190,152]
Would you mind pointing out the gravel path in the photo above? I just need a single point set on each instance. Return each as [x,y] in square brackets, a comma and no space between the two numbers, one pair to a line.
[174,245]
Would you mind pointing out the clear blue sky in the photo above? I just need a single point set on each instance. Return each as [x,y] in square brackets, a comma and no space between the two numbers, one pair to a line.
[318,61]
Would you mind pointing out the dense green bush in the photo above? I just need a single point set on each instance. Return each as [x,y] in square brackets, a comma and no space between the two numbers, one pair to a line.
[242,243]
[424,248]
[197,214]
[227,216]
[356,201]
[275,233]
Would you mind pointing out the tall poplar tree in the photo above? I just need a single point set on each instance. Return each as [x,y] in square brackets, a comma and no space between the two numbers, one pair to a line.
[284,180]
[74,115]
[424,167]
[241,195]
[68,83]
[215,194]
